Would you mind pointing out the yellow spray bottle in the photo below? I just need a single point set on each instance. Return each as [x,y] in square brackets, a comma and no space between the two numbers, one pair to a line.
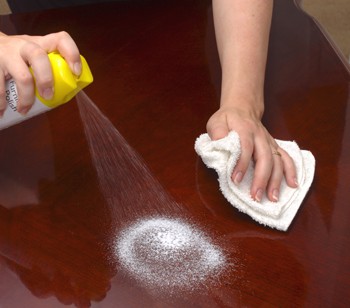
[66,86]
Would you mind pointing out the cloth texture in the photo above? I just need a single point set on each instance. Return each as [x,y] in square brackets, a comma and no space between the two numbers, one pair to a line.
[223,154]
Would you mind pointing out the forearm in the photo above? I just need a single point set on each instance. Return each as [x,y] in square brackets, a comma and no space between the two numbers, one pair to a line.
[242,32]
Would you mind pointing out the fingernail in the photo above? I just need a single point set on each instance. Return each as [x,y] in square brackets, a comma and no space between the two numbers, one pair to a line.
[24,110]
[275,195]
[238,178]
[47,93]
[77,68]
[296,182]
[259,195]
[2,113]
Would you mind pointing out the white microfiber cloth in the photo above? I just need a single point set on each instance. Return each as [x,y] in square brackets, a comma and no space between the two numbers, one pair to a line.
[223,154]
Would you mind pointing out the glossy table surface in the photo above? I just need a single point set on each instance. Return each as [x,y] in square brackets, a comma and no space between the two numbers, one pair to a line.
[157,80]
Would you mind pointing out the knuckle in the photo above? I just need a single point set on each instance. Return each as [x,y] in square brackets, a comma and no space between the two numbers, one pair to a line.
[33,49]
[44,82]
[47,80]
[24,78]
[36,52]
[63,35]
[289,164]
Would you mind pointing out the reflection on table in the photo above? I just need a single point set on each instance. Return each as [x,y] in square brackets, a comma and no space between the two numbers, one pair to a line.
[157,78]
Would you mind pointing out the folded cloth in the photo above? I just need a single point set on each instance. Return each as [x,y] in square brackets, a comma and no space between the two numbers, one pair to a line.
[223,154]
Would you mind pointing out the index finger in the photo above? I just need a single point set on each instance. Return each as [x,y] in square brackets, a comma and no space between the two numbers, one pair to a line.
[65,45]
[38,60]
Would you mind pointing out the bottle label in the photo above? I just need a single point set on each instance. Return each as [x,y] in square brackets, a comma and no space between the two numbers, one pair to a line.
[11,95]
[11,115]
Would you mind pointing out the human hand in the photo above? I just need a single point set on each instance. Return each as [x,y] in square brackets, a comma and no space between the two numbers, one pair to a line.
[271,161]
[19,52]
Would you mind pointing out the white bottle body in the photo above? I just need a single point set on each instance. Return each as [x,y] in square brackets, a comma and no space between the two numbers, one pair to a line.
[11,115]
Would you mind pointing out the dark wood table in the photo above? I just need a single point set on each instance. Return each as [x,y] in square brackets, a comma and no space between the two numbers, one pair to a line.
[157,80]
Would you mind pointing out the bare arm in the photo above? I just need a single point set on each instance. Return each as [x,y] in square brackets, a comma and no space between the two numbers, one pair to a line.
[242,31]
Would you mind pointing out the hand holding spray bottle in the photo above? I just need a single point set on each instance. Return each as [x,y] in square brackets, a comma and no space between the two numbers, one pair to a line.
[66,85]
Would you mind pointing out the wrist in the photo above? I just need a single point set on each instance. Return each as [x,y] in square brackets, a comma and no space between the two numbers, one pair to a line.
[244,103]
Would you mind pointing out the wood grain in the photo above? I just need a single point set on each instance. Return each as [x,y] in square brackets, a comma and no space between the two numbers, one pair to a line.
[157,80]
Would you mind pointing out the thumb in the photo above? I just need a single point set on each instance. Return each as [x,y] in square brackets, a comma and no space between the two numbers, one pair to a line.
[217,131]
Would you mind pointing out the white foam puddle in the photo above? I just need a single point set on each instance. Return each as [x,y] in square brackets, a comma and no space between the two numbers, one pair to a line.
[164,254]
[168,254]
